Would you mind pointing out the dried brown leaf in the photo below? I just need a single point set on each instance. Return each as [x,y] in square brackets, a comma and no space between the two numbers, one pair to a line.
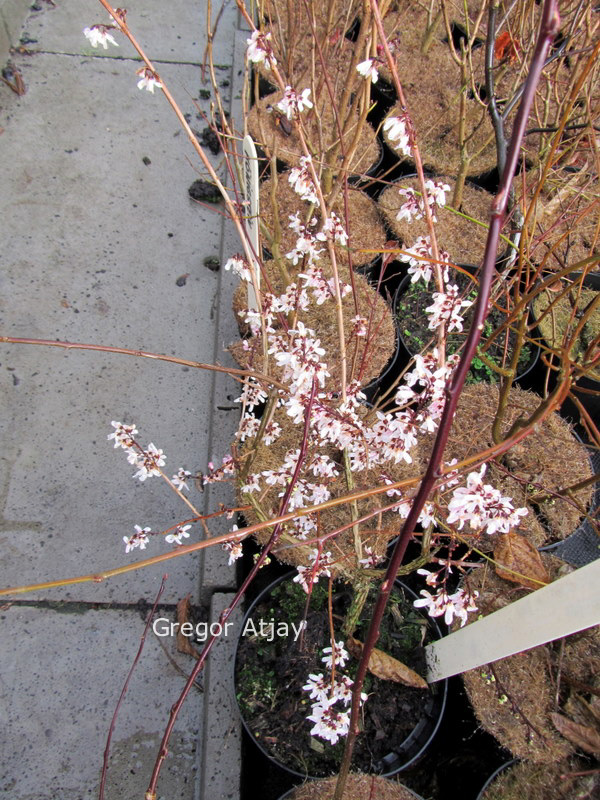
[517,560]
[387,667]
[581,736]
[183,615]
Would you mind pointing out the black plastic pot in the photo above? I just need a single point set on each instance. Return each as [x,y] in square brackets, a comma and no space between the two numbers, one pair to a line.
[590,402]
[368,181]
[415,744]
[494,775]
[402,288]
[583,545]
[378,386]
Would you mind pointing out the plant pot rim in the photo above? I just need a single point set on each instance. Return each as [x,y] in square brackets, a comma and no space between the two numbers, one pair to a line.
[441,687]
[289,792]
[583,545]
[494,775]
[590,281]
[405,282]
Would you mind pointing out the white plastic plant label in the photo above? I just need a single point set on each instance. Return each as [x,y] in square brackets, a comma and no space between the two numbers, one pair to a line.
[251,212]
[565,606]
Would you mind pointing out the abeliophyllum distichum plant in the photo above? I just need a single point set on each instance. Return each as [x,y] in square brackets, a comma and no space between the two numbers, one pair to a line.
[324,480]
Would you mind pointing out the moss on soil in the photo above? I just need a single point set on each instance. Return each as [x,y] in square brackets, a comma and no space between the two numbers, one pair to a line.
[547,460]
[514,697]
[296,53]
[376,533]
[566,220]
[526,781]
[365,359]
[366,230]
[434,110]
[558,325]
[358,787]
[292,42]
[321,135]
[463,239]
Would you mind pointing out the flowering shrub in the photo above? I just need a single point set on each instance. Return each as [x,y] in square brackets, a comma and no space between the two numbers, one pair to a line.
[325,481]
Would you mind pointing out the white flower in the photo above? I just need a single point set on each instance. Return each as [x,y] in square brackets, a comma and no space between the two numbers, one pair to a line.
[342,690]
[463,603]
[272,433]
[333,229]
[446,307]
[322,466]
[260,50]
[368,70]
[457,604]
[301,181]
[304,100]
[432,577]
[359,326]
[149,79]
[330,724]
[421,265]
[252,395]
[240,267]
[436,192]
[340,656]
[483,507]
[181,532]
[318,686]
[292,103]
[248,428]
[235,551]
[148,462]
[252,484]
[179,480]
[397,131]
[99,34]
[137,539]
[233,548]
[436,605]
[370,559]
[123,435]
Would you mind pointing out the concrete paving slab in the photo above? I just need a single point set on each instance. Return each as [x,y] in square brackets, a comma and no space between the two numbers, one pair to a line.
[96,241]
[166,33]
[225,412]
[99,234]
[61,677]
[221,760]
[13,14]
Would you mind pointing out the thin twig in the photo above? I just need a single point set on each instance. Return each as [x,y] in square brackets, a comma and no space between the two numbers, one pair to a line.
[124,351]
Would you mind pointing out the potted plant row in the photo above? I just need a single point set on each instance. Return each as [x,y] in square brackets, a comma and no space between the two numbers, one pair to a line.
[325,479]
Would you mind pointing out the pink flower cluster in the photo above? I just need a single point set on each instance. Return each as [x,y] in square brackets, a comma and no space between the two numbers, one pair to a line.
[449,605]
[483,507]
[300,179]
[292,103]
[414,207]
[329,692]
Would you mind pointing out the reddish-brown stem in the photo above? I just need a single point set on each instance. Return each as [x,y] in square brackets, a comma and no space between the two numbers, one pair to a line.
[549,405]
[549,27]
[113,721]
[124,351]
